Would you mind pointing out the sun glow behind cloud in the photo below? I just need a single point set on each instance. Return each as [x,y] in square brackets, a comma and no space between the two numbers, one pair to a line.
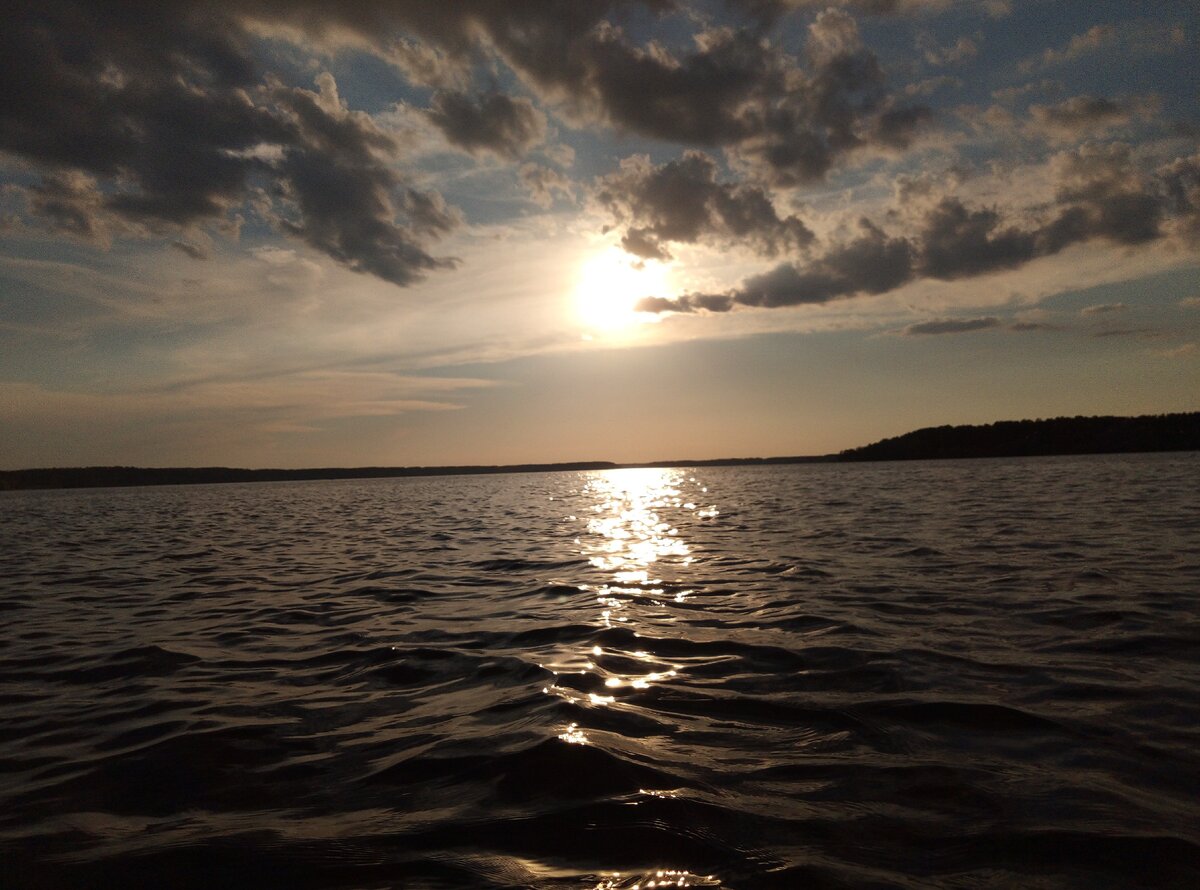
[608,287]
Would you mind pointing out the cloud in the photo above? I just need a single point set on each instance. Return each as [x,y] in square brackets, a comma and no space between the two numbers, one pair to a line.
[156,122]
[151,122]
[1190,302]
[839,105]
[961,50]
[931,85]
[193,417]
[1100,194]
[1184,349]
[495,123]
[1009,95]
[1025,326]
[1103,309]
[957,242]
[195,251]
[68,202]
[951,326]
[543,183]
[732,89]
[1137,37]
[1181,181]
[772,9]
[1126,332]
[871,263]
[1079,116]
[1090,41]
[682,201]
[340,191]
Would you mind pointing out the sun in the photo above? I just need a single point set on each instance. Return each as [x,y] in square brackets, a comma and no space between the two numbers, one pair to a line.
[609,287]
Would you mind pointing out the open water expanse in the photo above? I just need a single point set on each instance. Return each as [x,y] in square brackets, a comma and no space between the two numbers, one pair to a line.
[938,674]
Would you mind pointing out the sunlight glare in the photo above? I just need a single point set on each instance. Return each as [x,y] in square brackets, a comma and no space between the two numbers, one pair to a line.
[610,285]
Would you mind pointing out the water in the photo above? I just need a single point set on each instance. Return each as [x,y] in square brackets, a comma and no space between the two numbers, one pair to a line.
[948,674]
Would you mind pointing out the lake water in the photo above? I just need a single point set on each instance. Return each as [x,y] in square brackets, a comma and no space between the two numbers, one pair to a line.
[938,674]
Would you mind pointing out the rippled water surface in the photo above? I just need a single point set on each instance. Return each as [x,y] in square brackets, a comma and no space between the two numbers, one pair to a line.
[946,674]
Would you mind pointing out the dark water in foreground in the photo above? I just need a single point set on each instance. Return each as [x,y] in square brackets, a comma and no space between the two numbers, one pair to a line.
[960,674]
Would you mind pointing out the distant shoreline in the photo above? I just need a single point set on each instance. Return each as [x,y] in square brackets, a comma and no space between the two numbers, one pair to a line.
[1015,438]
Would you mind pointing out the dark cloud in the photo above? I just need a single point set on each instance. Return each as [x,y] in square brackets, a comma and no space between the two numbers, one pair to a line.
[951,326]
[347,212]
[873,263]
[1103,195]
[153,119]
[789,122]
[494,122]
[682,201]
[838,105]
[342,194]
[956,242]
[1100,195]
[168,111]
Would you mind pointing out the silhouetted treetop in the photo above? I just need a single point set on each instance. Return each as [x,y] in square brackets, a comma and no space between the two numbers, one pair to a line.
[1059,435]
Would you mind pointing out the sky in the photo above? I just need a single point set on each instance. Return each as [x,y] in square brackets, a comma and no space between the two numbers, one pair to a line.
[268,234]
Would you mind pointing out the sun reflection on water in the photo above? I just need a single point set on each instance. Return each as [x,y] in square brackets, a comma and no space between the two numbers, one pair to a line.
[631,539]
[654,880]
[630,542]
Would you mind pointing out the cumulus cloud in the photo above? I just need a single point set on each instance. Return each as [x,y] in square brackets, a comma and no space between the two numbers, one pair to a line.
[871,263]
[1100,194]
[958,242]
[839,105]
[683,201]
[170,114]
[341,194]
[733,89]
[788,121]
[495,123]
[155,120]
